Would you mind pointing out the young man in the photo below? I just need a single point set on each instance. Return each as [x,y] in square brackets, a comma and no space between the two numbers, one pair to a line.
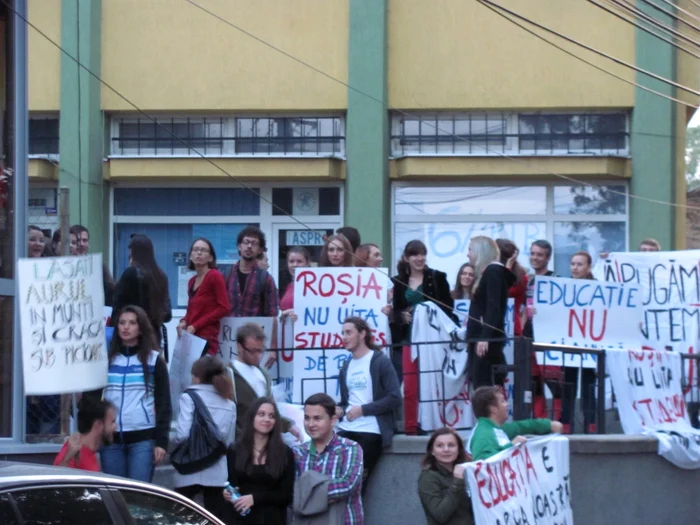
[352,235]
[97,422]
[650,245]
[335,460]
[250,381]
[369,393]
[540,255]
[82,236]
[492,434]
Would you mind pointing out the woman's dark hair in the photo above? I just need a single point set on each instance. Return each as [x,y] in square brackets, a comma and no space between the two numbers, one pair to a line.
[362,326]
[143,258]
[429,460]
[253,231]
[210,370]
[108,284]
[414,247]
[459,292]
[590,263]
[212,252]
[35,228]
[147,339]
[275,450]
[347,251]
[508,249]
[300,250]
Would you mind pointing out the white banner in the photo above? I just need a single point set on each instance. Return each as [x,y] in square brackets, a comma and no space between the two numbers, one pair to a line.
[443,369]
[584,313]
[187,349]
[323,298]
[528,483]
[283,370]
[61,301]
[228,348]
[647,386]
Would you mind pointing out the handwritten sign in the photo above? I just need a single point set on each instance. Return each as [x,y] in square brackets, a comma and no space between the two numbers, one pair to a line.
[228,349]
[188,349]
[528,483]
[585,313]
[282,372]
[61,302]
[650,401]
[323,298]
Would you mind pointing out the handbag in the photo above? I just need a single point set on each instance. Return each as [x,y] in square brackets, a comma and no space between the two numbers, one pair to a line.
[204,446]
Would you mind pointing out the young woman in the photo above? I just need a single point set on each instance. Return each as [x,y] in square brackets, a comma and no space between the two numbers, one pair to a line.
[138,386]
[144,284]
[336,252]
[297,257]
[465,281]
[441,484]
[414,284]
[208,302]
[487,312]
[213,385]
[35,242]
[518,291]
[368,256]
[262,467]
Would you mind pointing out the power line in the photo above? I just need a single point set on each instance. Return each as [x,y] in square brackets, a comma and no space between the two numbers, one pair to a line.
[670,14]
[635,11]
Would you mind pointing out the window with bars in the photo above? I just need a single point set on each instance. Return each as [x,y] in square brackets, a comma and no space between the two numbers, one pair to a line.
[494,134]
[290,136]
[43,135]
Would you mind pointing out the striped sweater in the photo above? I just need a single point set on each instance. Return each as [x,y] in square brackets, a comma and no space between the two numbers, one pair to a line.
[143,411]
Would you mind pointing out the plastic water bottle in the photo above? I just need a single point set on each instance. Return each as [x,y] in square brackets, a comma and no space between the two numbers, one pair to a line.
[234,496]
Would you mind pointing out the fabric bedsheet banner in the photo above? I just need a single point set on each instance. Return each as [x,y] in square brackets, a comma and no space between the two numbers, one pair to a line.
[61,307]
[587,314]
[323,298]
[647,386]
[528,483]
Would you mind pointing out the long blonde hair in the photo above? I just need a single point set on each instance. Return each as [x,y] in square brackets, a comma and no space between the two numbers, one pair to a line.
[486,251]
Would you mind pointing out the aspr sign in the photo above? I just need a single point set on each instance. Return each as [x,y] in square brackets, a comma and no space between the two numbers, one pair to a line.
[323,298]
[61,301]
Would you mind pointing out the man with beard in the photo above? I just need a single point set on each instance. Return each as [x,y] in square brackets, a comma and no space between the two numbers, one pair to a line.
[97,422]
[251,289]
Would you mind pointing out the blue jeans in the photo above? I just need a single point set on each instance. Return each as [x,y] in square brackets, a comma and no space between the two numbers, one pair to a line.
[133,460]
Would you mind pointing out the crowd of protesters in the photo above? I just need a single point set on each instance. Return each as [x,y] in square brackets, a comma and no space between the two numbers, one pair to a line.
[129,422]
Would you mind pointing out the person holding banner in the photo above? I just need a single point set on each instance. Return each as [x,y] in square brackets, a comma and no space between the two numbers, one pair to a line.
[441,486]
[465,281]
[518,290]
[414,284]
[336,252]
[139,387]
[492,433]
[487,311]
[297,257]
[208,300]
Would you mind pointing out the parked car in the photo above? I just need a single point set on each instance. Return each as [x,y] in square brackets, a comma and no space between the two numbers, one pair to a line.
[33,494]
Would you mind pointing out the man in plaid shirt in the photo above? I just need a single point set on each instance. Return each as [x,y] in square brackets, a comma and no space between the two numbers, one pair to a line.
[327,453]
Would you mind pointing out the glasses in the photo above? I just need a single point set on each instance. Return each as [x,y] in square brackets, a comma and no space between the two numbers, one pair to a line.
[247,242]
[254,351]
[200,250]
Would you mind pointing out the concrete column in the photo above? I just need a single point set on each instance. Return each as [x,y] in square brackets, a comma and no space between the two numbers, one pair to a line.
[367,205]
[653,141]
[81,133]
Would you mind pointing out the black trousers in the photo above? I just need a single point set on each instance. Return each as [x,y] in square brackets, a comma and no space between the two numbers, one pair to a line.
[371,445]
[213,498]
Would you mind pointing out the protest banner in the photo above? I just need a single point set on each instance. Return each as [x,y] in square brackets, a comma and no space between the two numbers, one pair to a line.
[228,349]
[584,313]
[650,401]
[188,349]
[283,370]
[528,483]
[323,298]
[62,327]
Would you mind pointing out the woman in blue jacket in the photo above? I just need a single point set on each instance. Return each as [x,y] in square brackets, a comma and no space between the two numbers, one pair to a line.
[139,387]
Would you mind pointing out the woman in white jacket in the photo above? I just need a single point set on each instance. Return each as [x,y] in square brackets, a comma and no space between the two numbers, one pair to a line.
[213,385]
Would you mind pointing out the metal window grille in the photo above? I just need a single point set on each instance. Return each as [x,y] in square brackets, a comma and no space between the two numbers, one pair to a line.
[43,136]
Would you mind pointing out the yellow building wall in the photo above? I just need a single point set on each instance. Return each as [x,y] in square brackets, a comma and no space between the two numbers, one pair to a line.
[446,54]
[44,59]
[169,55]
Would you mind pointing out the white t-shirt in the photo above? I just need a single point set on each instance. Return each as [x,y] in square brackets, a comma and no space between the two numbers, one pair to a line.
[253,376]
[359,382]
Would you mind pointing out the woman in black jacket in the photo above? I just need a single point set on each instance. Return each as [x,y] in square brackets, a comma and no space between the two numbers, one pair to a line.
[487,312]
[144,284]
[414,284]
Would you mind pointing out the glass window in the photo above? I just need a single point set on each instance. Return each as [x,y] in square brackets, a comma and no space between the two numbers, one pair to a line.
[6,365]
[290,135]
[590,200]
[62,506]
[7,511]
[151,509]
[577,134]
[186,201]
[593,237]
[471,200]
[7,237]
[306,201]
[43,136]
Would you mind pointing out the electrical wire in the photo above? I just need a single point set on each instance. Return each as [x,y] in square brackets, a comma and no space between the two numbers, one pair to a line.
[677,8]
[638,13]
[669,14]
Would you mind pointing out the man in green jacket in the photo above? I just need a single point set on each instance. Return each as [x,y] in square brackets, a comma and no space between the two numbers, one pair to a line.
[492,434]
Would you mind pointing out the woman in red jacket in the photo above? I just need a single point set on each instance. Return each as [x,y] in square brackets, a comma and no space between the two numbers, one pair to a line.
[208,300]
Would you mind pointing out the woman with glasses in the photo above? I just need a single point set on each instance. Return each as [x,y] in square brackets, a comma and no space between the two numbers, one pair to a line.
[208,301]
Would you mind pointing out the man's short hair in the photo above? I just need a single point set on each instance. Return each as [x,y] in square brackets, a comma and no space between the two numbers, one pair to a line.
[253,231]
[322,400]
[484,398]
[77,229]
[352,235]
[250,330]
[91,410]
[545,245]
[651,242]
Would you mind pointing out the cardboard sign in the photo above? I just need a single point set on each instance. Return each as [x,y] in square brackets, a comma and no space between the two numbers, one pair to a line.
[188,349]
[228,349]
[61,301]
